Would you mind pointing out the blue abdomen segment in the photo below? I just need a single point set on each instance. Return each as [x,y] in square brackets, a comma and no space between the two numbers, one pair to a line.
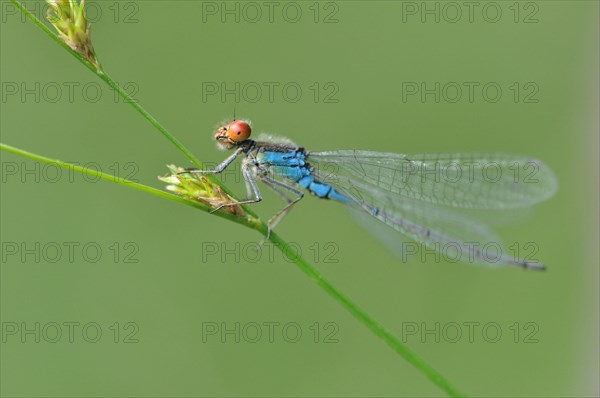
[293,165]
[321,190]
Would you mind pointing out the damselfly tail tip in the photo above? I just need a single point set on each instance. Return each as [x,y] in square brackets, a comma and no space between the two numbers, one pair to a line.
[533,266]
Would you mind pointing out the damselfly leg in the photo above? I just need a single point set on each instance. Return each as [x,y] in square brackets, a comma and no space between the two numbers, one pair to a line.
[250,173]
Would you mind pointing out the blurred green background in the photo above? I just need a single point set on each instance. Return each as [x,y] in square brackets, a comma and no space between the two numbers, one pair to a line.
[350,60]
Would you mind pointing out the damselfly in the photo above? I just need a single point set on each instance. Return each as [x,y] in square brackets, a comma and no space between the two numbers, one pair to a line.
[413,194]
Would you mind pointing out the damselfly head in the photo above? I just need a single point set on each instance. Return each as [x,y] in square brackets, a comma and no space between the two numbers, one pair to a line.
[233,134]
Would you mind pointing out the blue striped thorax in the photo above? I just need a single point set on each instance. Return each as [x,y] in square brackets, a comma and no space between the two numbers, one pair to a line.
[292,164]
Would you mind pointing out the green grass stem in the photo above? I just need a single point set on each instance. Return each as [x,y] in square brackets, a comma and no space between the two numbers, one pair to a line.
[252,221]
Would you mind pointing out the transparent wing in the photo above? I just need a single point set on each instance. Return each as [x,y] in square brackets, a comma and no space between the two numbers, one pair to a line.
[483,181]
[419,211]
[439,235]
